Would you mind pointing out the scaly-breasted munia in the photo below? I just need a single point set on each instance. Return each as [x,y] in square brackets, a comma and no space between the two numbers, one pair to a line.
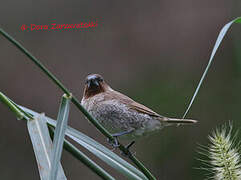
[119,114]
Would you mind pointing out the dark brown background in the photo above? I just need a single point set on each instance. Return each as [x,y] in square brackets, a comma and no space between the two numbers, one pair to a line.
[153,51]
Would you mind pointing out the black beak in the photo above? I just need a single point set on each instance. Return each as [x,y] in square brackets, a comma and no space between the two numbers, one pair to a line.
[93,83]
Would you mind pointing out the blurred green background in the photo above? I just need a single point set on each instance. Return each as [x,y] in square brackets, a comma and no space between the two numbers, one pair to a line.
[153,51]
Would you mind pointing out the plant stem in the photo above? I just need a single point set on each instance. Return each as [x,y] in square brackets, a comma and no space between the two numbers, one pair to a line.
[137,162]
[77,104]
[13,108]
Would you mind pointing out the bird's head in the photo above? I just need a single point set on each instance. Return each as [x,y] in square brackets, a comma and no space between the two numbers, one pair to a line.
[94,84]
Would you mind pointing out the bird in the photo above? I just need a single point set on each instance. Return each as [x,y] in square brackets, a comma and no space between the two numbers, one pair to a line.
[119,114]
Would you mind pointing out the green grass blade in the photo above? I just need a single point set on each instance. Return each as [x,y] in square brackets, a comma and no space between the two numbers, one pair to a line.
[83,158]
[60,129]
[42,146]
[67,146]
[215,48]
[99,150]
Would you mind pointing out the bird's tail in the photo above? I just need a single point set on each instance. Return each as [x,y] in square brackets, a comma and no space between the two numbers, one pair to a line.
[177,121]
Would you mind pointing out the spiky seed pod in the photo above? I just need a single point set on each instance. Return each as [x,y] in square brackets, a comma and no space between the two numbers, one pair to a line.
[224,156]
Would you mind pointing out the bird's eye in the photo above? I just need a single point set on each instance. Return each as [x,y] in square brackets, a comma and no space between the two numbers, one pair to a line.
[86,82]
[100,79]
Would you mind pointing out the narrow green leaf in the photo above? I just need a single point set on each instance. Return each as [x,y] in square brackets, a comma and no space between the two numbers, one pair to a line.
[42,146]
[99,150]
[84,159]
[238,20]
[60,129]
[215,48]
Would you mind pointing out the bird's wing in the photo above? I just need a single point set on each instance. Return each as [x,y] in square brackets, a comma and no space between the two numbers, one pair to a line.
[132,104]
[114,95]
[143,109]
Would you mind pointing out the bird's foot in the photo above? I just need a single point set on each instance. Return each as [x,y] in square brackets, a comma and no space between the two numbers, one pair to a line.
[114,143]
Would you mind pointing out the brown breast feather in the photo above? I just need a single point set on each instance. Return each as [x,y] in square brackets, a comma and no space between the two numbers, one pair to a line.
[130,103]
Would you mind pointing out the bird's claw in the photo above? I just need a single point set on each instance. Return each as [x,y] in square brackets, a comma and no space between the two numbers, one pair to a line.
[114,143]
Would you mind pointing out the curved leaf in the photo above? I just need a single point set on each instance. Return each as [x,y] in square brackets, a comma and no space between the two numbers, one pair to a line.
[215,48]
